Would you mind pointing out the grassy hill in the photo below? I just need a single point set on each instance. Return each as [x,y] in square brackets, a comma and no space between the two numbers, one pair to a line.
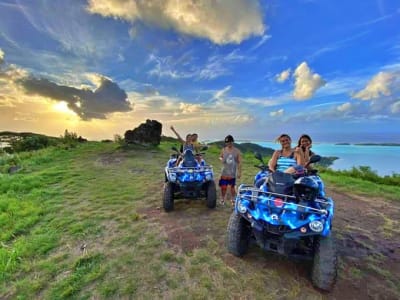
[86,223]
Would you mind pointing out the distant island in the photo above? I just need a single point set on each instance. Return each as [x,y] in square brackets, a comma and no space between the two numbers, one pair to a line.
[369,144]
[377,144]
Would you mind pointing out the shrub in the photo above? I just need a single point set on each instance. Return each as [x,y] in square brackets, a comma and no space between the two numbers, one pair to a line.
[119,140]
[30,143]
[69,139]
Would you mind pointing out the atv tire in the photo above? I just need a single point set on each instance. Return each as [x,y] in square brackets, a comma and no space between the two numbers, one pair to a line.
[324,270]
[168,201]
[238,235]
[211,195]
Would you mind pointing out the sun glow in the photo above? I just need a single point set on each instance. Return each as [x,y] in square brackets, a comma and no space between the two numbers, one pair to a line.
[63,108]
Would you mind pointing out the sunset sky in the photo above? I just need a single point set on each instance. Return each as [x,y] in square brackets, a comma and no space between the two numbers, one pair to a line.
[253,69]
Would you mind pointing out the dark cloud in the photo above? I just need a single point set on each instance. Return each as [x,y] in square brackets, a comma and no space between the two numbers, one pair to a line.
[107,98]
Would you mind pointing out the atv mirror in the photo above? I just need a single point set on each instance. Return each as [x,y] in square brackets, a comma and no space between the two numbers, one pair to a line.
[175,149]
[315,158]
[258,156]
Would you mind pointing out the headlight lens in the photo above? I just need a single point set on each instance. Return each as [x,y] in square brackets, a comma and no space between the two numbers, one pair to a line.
[172,177]
[241,207]
[317,226]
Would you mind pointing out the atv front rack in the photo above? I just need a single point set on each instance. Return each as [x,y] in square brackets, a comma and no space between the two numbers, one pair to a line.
[251,193]
[190,169]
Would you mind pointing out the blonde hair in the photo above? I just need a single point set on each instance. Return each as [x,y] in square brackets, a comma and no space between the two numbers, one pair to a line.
[283,135]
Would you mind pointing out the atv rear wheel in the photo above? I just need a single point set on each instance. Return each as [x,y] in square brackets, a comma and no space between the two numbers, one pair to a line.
[168,201]
[238,235]
[211,194]
[324,270]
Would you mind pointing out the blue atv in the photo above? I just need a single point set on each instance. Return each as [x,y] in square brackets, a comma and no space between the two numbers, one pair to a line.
[289,216]
[189,179]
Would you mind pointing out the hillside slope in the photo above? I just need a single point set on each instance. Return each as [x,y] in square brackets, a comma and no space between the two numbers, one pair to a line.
[88,223]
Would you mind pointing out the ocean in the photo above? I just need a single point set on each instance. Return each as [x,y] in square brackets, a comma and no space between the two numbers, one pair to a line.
[384,160]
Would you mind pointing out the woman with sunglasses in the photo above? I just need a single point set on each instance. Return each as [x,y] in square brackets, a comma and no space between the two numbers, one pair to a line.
[286,159]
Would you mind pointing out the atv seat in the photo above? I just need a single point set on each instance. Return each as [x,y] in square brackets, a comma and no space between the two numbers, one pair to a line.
[189,160]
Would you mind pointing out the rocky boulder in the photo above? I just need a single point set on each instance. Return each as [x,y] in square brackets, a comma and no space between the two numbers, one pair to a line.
[148,133]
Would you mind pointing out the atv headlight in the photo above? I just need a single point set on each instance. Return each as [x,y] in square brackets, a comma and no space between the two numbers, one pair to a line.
[208,176]
[317,226]
[242,208]
[172,177]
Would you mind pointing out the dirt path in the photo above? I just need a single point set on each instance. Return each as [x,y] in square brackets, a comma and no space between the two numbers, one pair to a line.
[368,242]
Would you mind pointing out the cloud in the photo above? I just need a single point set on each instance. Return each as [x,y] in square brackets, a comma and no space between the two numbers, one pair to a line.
[243,119]
[264,38]
[185,66]
[379,85]
[282,77]
[220,94]
[1,56]
[277,113]
[222,22]
[187,108]
[306,83]
[344,107]
[107,98]
[395,108]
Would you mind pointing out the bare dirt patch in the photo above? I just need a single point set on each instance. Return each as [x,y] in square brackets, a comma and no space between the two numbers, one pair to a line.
[368,243]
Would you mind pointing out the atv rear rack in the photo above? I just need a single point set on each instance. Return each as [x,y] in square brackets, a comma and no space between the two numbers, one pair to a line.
[286,205]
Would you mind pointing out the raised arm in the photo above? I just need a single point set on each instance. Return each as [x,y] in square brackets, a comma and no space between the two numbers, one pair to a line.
[300,156]
[177,135]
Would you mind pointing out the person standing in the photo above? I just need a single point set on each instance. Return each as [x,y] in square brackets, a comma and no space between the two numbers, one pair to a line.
[231,158]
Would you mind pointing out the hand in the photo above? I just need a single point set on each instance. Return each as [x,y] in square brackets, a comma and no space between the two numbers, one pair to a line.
[298,150]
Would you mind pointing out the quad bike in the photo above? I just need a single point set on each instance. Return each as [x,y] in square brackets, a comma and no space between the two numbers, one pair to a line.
[290,216]
[189,179]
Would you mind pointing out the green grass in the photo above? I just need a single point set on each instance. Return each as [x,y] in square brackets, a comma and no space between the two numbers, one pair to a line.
[347,183]
[97,194]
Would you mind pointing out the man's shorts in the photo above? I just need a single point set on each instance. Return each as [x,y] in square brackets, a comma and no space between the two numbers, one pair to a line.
[224,181]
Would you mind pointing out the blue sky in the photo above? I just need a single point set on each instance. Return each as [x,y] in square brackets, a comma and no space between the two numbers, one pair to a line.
[253,69]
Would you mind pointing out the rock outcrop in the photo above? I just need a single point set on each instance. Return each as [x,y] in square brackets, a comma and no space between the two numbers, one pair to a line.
[148,133]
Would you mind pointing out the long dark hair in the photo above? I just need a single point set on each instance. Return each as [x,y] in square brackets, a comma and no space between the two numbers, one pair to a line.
[305,136]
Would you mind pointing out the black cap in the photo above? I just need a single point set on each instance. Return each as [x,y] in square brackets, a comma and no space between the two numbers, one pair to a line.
[229,138]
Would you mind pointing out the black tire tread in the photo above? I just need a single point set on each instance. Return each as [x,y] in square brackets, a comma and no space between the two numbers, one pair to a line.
[238,235]
[324,270]
[168,199]
[211,195]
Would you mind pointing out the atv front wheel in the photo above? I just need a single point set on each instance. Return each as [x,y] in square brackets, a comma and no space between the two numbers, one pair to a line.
[238,235]
[324,271]
[211,195]
[168,201]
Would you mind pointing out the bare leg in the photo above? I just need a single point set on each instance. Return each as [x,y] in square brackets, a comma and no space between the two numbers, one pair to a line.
[233,194]
[223,194]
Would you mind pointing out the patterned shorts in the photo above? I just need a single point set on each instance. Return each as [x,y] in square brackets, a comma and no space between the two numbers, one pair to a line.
[224,181]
